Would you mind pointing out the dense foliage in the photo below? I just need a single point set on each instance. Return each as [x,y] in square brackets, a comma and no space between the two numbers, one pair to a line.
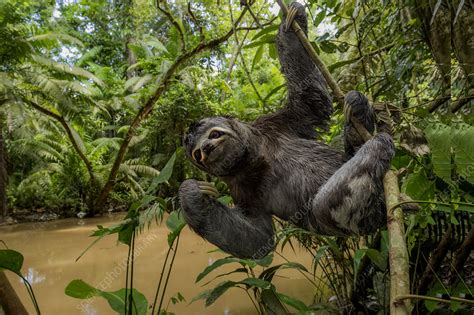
[95,97]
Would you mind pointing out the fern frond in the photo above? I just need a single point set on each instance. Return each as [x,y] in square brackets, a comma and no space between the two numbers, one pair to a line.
[127,170]
[145,170]
[153,213]
[99,143]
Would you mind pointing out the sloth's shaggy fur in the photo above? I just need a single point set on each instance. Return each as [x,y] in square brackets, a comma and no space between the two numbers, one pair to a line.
[273,166]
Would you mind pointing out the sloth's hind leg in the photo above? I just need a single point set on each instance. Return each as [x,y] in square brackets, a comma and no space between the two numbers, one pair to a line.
[352,201]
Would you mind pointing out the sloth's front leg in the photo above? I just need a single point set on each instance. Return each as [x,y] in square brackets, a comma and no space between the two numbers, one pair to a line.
[233,230]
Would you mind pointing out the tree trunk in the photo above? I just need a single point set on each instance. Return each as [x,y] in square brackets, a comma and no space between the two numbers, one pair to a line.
[9,300]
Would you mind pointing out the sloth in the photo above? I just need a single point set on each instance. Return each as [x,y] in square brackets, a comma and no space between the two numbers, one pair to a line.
[273,166]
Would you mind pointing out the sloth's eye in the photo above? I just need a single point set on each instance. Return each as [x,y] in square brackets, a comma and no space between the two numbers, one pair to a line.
[215,134]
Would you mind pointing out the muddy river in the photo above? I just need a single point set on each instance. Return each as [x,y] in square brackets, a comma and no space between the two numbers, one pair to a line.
[51,248]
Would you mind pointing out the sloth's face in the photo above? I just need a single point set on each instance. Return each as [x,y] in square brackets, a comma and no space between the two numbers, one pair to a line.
[215,145]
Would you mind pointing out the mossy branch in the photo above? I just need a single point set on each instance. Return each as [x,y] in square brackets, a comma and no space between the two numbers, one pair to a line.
[398,254]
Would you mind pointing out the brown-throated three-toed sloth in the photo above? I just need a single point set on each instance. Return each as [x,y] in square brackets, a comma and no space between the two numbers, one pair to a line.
[273,166]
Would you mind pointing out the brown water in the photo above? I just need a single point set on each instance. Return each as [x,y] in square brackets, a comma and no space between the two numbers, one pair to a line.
[50,250]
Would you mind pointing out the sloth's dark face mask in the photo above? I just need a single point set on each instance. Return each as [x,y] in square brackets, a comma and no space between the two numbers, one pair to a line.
[214,145]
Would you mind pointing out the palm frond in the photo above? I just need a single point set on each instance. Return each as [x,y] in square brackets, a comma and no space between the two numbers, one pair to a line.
[153,213]
[64,68]
[50,37]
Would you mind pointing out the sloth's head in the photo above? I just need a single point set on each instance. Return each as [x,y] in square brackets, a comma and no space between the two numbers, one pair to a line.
[216,145]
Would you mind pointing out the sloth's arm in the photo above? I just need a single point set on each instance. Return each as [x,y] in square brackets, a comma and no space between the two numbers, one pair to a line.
[230,229]
[309,104]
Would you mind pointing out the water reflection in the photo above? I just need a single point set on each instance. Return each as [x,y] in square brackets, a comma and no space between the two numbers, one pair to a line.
[33,276]
[50,250]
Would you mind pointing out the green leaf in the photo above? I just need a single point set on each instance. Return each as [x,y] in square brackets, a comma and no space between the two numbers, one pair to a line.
[273,91]
[328,47]
[117,301]
[215,265]
[418,186]
[463,145]
[220,289]
[357,259]
[374,255]
[139,204]
[11,260]
[320,253]
[272,52]
[256,282]
[439,140]
[268,273]
[265,261]
[265,31]
[377,258]
[80,290]
[339,64]
[271,303]
[269,38]
[57,36]
[297,304]
[77,139]
[126,233]
[155,43]
[226,199]
[319,18]
[257,57]
[175,223]
[164,176]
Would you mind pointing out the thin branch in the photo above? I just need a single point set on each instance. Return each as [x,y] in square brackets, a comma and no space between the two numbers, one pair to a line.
[242,59]
[147,108]
[361,56]
[432,298]
[196,22]
[174,22]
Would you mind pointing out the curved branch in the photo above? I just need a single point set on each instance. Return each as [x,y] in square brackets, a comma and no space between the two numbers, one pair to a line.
[69,133]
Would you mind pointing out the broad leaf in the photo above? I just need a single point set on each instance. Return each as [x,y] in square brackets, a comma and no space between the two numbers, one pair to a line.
[175,223]
[11,260]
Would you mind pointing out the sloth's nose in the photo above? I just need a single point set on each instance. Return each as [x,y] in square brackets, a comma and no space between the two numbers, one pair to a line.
[197,155]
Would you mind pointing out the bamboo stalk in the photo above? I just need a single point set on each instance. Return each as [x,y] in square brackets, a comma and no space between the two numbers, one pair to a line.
[398,254]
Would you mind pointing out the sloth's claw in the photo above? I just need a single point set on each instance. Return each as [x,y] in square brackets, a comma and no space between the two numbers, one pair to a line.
[208,189]
[290,16]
